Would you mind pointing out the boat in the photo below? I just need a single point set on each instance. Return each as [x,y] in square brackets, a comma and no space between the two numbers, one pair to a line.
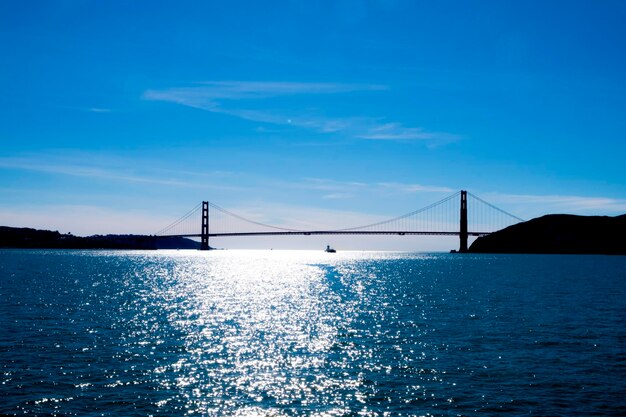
[329,249]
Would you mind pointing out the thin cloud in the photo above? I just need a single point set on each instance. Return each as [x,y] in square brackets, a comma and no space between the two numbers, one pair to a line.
[81,171]
[395,131]
[111,172]
[234,90]
[330,185]
[561,203]
[217,97]
[414,188]
[335,189]
[337,196]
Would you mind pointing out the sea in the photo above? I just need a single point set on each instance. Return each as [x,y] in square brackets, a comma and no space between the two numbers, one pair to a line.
[308,333]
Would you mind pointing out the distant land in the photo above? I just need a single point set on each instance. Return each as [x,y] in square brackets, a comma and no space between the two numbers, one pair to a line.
[558,234]
[553,233]
[27,238]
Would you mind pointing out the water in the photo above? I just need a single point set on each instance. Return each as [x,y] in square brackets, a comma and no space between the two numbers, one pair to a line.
[279,333]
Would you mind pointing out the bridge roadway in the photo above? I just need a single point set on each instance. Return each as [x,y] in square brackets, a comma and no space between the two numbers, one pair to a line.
[329,232]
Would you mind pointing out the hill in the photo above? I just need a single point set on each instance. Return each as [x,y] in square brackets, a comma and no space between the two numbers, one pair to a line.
[23,237]
[558,233]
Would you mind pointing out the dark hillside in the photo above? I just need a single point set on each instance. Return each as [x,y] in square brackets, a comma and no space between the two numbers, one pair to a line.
[27,238]
[558,233]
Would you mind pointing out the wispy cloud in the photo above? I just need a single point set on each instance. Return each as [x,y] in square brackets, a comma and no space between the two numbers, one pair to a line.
[79,170]
[111,170]
[218,97]
[99,110]
[108,168]
[395,131]
[325,184]
[415,188]
[212,91]
[560,203]
[337,196]
[338,190]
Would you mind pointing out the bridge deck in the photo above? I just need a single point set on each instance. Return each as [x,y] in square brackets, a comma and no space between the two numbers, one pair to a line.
[330,232]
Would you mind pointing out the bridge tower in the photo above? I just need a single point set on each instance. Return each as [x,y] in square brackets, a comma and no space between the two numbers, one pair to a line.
[204,235]
[463,227]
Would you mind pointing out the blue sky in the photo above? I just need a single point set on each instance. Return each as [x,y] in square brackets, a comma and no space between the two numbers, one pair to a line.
[118,117]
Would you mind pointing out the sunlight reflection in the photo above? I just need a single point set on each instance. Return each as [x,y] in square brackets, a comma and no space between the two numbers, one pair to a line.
[265,331]
[258,327]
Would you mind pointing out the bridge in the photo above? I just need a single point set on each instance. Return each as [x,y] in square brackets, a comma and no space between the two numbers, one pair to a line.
[449,216]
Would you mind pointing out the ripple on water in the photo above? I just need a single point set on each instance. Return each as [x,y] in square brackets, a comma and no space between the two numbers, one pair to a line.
[302,333]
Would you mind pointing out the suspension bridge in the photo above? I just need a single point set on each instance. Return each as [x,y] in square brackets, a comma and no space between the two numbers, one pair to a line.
[462,213]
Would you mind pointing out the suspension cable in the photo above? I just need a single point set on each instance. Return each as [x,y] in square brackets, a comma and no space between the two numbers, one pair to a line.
[404,215]
[230,213]
[437,205]
[180,220]
[496,208]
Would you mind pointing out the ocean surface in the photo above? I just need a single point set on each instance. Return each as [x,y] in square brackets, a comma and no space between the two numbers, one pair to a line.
[298,333]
